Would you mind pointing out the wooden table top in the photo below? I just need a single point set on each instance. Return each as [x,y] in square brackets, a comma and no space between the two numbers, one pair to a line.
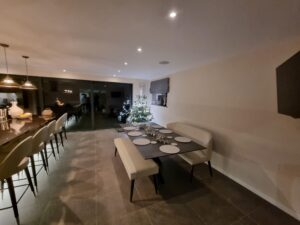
[151,151]
[14,130]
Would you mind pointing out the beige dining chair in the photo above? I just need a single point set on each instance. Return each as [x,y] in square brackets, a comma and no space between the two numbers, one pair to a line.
[13,163]
[59,130]
[38,147]
[64,121]
[50,137]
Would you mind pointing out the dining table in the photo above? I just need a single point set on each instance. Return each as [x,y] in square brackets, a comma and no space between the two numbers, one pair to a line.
[153,149]
[12,131]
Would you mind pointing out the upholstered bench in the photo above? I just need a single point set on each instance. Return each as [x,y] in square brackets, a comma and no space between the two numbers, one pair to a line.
[135,165]
[198,135]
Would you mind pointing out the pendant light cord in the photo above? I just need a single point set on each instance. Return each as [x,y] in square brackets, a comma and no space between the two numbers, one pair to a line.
[6,64]
[26,66]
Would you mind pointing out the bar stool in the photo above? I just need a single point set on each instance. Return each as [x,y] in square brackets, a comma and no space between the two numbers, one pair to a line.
[37,148]
[15,162]
[59,130]
[50,136]
[64,121]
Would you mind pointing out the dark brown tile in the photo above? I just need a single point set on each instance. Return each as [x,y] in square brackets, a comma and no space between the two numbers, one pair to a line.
[270,215]
[175,214]
[214,210]
[139,217]
[240,197]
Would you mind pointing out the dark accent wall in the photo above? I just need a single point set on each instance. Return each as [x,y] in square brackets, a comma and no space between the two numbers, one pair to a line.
[107,95]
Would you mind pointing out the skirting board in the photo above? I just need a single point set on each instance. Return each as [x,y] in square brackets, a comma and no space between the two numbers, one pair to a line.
[259,193]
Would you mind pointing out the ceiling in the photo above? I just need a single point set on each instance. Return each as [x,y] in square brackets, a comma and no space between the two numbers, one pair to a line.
[96,37]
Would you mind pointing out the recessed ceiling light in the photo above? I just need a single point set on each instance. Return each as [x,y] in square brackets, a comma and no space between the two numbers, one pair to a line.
[139,49]
[173,14]
[164,62]
[119,71]
[125,63]
[64,71]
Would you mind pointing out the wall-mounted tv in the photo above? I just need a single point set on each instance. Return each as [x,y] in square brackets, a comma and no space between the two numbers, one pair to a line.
[116,94]
[288,86]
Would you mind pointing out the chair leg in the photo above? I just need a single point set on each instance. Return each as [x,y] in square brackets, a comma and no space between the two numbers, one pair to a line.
[13,198]
[46,156]
[44,161]
[33,171]
[192,174]
[116,151]
[131,190]
[53,152]
[29,180]
[210,169]
[155,180]
[65,132]
[56,140]
[2,188]
[61,138]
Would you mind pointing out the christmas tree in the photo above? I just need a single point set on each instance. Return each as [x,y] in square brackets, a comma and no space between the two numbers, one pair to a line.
[140,111]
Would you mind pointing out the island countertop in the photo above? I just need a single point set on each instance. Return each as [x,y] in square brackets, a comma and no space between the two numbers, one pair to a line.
[12,129]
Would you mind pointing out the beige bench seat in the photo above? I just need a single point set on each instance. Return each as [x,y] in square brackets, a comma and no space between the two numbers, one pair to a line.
[135,165]
[198,135]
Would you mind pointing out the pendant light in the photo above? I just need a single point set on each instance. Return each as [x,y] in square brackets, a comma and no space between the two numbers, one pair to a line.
[27,84]
[7,82]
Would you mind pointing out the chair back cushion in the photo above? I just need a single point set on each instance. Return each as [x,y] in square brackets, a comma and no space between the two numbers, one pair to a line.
[199,135]
[9,165]
[59,124]
[38,140]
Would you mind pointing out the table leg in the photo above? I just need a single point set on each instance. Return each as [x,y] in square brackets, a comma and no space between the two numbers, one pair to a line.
[160,176]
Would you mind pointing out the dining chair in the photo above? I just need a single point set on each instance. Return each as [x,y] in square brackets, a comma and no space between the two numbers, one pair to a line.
[38,147]
[16,161]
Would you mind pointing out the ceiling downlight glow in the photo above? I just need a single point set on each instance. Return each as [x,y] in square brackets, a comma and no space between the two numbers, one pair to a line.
[173,14]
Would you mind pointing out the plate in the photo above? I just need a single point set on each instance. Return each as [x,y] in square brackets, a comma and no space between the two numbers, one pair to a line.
[135,133]
[174,143]
[170,149]
[141,141]
[183,139]
[170,137]
[129,128]
[153,142]
[165,131]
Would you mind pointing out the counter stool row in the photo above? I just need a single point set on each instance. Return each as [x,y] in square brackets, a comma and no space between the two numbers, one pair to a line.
[19,157]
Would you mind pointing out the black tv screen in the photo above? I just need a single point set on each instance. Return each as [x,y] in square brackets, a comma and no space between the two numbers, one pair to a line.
[116,94]
[288,86]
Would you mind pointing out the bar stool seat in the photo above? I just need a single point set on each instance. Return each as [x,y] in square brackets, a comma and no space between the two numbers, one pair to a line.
[15,162]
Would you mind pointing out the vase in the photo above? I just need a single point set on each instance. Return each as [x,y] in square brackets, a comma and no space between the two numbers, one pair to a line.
[15,111]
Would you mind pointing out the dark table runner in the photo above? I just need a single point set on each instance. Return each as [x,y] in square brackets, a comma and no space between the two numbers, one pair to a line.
[151,151]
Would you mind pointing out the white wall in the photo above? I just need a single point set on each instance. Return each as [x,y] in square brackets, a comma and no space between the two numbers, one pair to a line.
[236,100]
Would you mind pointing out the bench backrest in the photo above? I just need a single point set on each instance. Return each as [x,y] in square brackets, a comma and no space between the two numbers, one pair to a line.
[198,135]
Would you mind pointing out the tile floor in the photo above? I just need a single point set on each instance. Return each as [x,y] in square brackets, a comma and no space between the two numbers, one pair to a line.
[89,186]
